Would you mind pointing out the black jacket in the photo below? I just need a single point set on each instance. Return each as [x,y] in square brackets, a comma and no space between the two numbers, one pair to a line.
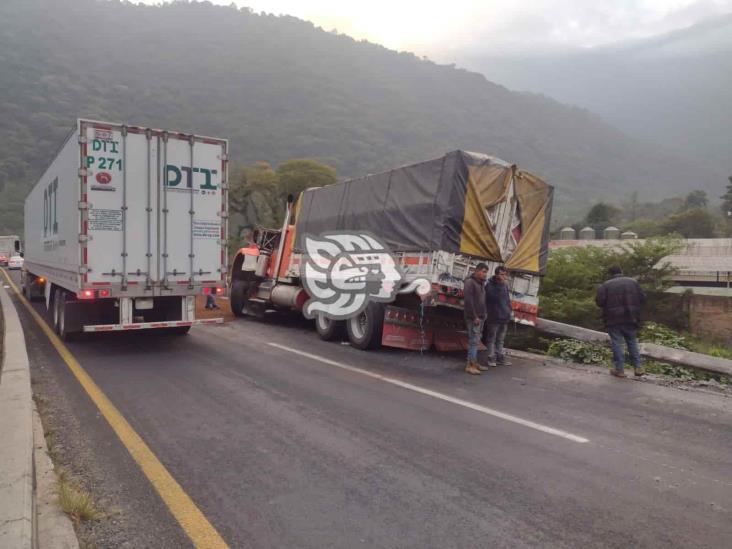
[497,302]
[474,304]
[621,299]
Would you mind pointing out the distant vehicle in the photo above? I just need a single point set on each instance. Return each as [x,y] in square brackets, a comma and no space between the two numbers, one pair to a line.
[15,262]
[126,227]
[438,218]
[9,245]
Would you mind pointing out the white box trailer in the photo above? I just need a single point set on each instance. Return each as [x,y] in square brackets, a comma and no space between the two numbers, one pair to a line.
[9,246]
[126,227]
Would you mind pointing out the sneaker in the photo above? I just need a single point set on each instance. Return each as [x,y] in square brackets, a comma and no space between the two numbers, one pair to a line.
[503,362]
[639,371]
[482,367]
[616,373]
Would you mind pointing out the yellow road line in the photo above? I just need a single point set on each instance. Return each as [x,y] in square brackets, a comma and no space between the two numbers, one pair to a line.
[188,515]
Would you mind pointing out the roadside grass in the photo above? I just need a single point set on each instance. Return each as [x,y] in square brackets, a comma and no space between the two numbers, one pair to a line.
[599,354]
[72,498]
[75,501]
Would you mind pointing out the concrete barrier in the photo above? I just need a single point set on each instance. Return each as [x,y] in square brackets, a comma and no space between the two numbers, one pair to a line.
[16,433]
[697,361]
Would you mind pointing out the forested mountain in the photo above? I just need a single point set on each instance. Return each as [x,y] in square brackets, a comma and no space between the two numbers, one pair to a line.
[673,89]
[280,88]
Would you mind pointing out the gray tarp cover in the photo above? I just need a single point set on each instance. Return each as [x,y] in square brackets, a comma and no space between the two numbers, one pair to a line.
[420,207]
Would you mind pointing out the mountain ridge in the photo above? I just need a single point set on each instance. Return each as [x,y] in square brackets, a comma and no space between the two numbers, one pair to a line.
[281,88]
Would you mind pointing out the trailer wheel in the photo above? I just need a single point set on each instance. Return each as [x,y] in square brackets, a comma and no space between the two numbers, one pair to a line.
[365,329]
[27,292]
[238,296]
[328,329]
[55,308]
[61,316]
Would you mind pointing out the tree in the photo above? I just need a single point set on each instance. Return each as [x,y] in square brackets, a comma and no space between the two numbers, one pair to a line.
[696,199]
[573,274]
[252,198]
[601,216]
[695,223]
[645,228]
[727,199]
[298,174]
[727,206]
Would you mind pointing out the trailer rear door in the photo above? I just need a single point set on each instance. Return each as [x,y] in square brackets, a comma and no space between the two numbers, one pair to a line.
[155,208]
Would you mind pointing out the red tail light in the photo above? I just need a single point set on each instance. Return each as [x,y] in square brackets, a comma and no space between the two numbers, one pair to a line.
[85,294]
[219,291]
[206,291]
[104,292]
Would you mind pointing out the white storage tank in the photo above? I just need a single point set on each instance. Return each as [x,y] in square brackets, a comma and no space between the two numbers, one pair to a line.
[628,235]
[588,233]
[611,233]
[567,233]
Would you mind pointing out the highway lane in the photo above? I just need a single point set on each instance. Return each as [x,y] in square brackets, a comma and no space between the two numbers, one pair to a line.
[284,450]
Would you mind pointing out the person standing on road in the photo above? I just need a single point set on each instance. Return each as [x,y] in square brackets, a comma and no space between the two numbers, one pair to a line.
[498,314]
[621,299]
[211,302]
[474,297]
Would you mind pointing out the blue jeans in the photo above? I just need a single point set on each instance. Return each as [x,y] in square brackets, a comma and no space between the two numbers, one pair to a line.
[627,333]
[495,334]
[474,332]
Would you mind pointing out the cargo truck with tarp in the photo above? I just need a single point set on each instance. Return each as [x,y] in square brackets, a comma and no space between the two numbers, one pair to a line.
[125,227]
[438,218]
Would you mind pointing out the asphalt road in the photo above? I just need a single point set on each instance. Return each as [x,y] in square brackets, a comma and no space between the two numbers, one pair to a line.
[282,449]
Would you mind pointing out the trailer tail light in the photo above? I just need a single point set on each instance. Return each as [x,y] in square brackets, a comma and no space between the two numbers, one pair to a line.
[85,294]
[219,291]
[41,280]
[206,290]
[104,292]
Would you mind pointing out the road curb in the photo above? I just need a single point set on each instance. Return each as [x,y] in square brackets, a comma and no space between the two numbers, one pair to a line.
[16,433]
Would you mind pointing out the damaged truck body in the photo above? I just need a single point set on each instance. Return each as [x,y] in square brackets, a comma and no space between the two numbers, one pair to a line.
[438,218]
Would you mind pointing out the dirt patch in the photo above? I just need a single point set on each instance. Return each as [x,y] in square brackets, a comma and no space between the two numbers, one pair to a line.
[224,310]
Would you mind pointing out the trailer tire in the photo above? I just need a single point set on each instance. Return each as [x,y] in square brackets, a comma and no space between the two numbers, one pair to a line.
[27,292]
[365,330]
[238,297]
[329,329]
[55,308]
[62,314]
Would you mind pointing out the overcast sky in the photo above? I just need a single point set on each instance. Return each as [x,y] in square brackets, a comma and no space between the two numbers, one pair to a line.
[435,28]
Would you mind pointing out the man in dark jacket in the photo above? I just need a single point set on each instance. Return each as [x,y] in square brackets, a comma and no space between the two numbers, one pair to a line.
[621,299]
[498,314]
[474,309]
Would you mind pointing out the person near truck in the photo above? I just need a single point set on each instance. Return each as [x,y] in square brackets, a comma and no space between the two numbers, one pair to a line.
[621,299]
[498,314]
[474,298]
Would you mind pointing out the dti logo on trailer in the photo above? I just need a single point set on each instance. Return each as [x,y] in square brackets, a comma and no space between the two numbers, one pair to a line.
[175,176]
[342,272]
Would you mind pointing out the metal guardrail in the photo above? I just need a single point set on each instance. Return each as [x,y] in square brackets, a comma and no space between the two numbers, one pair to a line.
[697,361]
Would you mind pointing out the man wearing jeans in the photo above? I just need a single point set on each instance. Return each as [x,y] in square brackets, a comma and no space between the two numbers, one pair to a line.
[474,309]
[498,314]
[621,299]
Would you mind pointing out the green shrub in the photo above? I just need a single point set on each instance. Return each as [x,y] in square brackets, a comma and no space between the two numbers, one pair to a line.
[662,335]
[579,351]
